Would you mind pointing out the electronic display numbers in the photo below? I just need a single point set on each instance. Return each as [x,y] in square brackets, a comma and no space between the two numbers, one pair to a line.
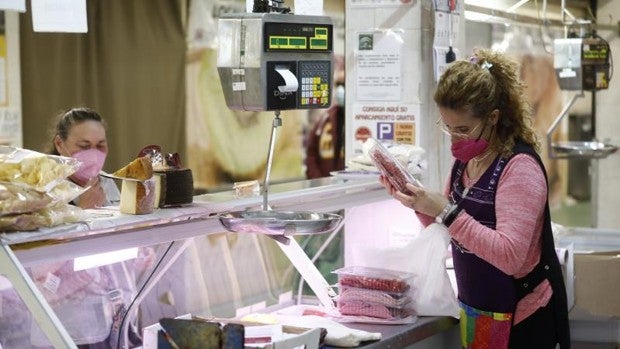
[298,37]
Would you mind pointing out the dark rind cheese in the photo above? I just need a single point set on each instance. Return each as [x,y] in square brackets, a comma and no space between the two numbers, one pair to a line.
[177,187]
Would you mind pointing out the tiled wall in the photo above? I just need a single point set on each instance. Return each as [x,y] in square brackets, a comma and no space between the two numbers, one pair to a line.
[606,183]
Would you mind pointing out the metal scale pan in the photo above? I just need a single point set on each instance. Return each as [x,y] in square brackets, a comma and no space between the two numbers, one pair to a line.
[595,150]
[280,222]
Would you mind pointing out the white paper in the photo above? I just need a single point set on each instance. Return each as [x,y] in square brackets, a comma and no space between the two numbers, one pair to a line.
[309,7]
[65,16]
[378,66]
[290,80]
[15,5]
[439,58]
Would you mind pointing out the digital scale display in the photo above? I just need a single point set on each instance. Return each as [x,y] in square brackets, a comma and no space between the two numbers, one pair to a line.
[297,37]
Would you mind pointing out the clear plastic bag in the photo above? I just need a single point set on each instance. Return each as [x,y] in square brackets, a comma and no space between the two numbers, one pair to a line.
[428,253]
[424,256]
[47,217]
[15,198]
[34,170]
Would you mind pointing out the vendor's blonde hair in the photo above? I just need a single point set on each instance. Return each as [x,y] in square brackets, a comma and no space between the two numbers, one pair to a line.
[489,81]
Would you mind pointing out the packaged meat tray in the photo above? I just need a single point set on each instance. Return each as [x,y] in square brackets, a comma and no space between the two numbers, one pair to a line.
[361,308]
[391,168]
[388,299]
[374,278]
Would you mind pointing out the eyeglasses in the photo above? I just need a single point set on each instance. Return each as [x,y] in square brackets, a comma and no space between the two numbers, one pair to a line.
[460,135]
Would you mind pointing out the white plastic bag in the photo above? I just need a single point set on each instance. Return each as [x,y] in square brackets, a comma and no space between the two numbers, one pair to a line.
[424,256]
[434,294]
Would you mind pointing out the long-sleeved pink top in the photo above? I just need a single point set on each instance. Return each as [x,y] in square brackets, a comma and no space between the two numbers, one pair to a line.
[514,246]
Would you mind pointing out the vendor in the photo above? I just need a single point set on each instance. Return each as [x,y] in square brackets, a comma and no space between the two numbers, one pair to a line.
[81,133]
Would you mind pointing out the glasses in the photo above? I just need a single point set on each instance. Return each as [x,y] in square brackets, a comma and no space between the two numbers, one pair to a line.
[460,135]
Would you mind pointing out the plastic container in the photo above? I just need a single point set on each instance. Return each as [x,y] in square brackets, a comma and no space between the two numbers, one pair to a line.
[370,309]
[374,278]
[391,168]
[388,299]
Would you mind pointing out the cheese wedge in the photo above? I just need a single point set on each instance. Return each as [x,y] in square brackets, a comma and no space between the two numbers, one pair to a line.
[137,197]
[140,169]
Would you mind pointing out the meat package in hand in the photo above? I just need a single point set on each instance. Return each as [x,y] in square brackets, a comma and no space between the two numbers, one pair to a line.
[391,168]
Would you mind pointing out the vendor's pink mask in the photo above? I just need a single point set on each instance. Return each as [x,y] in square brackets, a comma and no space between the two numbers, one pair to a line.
[92,162]
[467,149]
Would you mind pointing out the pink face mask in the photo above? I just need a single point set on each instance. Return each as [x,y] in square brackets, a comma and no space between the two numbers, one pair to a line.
[467,149]
[92,162]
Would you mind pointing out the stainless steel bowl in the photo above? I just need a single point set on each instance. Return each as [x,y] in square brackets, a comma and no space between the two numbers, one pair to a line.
[279,222]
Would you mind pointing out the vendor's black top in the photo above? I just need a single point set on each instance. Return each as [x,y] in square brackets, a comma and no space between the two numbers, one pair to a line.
[480,284]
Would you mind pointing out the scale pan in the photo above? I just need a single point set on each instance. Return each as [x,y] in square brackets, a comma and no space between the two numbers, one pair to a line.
[279,222]
[585,149]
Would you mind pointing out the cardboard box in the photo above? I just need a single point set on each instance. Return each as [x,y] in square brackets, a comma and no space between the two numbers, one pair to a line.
[597,283]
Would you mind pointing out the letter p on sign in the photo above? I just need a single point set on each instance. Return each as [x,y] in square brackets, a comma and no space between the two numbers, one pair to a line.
[385,130]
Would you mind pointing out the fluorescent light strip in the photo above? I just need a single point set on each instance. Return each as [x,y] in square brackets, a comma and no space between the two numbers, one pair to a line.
[97,260]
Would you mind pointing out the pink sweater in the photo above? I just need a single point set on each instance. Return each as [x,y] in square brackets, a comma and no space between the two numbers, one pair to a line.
[514,246]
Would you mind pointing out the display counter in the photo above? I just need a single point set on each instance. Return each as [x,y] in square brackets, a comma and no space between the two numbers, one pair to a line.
[110,230]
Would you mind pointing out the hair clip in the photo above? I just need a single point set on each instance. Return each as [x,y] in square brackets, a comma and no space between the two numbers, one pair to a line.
[486,65]
[473,59]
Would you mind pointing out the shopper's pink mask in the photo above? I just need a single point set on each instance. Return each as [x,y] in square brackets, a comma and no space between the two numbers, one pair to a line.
[92,162]
[467,149]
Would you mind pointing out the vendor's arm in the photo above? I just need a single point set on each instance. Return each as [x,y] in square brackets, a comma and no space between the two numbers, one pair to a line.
[514,246]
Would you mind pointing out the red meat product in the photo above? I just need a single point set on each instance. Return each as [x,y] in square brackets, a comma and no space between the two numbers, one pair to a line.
[396,286]
[373,296]
[391,168]
[360,308]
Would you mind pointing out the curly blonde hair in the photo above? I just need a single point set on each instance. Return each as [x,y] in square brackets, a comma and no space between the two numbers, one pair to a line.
[489,81]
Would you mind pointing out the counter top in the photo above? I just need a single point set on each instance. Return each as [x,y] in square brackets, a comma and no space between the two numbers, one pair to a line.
[400,336]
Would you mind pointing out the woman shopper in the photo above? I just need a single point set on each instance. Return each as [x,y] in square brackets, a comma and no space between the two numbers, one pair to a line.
[495,207]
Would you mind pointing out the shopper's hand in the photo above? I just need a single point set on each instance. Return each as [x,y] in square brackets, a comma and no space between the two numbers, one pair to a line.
[423,201]
[388,186]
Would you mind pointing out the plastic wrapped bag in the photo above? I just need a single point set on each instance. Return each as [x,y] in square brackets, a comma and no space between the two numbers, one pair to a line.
[16,199]
[47,217]
[34,170]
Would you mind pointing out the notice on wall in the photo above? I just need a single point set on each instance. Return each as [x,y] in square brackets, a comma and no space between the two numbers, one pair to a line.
[10,125]
[13,5]
[378,66]
[63,16]
[446,34]
[309,7]
[388,122]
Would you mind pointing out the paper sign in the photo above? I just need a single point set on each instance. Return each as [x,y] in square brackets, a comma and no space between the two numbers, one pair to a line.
[64,16]
[309,7]
[15,5]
